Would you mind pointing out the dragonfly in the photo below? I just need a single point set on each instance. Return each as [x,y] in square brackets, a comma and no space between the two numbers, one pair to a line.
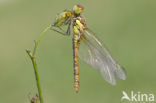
[87,46]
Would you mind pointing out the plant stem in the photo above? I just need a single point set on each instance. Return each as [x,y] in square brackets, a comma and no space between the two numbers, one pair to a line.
[33,59]
[39,39]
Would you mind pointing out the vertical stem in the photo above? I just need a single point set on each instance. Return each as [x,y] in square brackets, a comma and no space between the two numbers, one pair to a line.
[33,59]
[37,79]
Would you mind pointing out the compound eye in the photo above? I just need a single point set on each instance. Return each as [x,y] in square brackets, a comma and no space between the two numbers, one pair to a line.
[78,9]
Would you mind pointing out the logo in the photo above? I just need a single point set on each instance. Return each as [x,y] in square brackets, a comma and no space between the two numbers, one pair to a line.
[137,96]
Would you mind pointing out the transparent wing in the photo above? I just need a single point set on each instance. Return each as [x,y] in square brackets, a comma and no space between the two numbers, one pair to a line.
[94,53]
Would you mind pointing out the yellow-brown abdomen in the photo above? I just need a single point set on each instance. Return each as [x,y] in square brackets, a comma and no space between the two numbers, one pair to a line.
[76,63]
[76,74]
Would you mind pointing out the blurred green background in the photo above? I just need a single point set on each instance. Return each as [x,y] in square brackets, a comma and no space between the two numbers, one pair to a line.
[127,27]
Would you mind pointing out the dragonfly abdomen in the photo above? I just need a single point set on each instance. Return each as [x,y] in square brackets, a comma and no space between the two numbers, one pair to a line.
[78,28]
[76,44]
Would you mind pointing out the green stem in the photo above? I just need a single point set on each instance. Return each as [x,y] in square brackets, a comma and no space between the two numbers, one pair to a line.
[33,59]
[37,79]
[39,39]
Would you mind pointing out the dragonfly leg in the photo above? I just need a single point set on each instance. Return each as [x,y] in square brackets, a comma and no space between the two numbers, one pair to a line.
[61,31]
[68,30]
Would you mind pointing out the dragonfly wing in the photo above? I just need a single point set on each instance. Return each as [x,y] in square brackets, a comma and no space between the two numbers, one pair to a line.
[94,53]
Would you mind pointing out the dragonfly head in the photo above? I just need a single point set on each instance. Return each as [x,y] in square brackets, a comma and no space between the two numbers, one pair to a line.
[78,9]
